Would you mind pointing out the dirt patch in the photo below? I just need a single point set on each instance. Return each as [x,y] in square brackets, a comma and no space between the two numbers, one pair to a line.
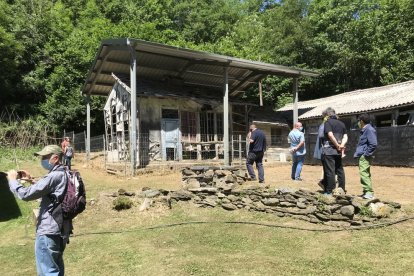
[389,183]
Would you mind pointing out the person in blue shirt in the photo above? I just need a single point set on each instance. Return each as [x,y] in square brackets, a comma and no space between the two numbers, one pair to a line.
[257,146]
[298,150]
[367,145]
[52,234]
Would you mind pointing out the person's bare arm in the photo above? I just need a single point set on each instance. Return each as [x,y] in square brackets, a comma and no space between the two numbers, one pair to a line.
[344,141]
[299,146]
[333,139]
[249,135]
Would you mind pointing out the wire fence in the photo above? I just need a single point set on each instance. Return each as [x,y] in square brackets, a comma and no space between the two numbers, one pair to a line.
[395,147]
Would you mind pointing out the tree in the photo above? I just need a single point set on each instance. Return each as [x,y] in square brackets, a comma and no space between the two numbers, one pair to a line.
[10,51]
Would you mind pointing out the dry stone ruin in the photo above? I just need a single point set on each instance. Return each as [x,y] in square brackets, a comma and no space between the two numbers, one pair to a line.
[229,188]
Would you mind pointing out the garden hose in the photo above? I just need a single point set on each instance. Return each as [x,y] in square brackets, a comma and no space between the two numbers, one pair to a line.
[162,226]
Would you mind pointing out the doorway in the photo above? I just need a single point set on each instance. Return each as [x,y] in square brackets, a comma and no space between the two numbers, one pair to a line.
[170,138]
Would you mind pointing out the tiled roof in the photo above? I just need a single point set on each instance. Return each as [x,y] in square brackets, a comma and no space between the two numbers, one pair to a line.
[364,100]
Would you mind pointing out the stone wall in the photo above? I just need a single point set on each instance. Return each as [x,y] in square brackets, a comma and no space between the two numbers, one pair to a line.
[229,188]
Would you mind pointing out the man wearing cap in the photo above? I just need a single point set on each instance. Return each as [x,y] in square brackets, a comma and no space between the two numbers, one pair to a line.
[51,236]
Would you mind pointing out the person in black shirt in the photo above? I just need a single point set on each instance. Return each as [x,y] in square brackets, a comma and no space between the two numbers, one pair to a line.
[334,141]
[257,147]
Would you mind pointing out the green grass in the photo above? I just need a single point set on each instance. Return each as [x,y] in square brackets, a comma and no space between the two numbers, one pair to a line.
[202,249]
[12,158]
[219,249]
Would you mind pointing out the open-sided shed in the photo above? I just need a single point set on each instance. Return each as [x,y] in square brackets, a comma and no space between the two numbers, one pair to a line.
[175,76]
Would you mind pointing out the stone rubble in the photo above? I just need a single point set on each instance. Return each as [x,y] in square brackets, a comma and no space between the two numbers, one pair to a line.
[228,188]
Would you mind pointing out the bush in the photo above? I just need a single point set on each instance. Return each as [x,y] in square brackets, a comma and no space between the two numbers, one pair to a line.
[122,202]
[366,211]
[33,131]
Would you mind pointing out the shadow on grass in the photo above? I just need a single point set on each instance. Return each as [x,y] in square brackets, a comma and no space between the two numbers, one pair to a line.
[8,205]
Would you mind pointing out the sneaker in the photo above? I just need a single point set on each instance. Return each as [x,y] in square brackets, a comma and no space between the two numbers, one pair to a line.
[368,196]
[327,194]
[298,179]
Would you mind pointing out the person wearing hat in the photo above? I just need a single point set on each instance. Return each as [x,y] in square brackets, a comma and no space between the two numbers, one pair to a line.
[51,236]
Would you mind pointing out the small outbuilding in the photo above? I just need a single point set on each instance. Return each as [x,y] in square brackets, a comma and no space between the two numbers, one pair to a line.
[392,109]
[389,105]
[170,103]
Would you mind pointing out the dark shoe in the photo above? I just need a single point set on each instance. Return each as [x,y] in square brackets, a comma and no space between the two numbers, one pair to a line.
[320,184]
[261,182]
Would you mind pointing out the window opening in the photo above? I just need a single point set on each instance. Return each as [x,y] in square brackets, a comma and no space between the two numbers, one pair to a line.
[170,114]
[207,126]
[275,136]
[188,126]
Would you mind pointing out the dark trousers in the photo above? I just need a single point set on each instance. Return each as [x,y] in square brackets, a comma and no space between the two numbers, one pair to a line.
[257,157]
[332,164]
[68,162]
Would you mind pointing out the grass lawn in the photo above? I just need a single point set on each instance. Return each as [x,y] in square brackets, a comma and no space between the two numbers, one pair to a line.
[215,248]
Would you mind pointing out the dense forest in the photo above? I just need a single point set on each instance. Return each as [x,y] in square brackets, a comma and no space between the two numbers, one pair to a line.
[47,47]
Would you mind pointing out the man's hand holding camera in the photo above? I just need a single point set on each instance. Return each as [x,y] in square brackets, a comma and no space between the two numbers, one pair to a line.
[22,175]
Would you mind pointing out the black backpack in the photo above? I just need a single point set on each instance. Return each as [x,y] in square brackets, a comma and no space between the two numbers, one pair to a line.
[69,151]
[73,201]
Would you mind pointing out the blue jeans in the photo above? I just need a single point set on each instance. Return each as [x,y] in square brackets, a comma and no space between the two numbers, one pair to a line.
[297,165]
[68,162]
[49,255]
[257,157]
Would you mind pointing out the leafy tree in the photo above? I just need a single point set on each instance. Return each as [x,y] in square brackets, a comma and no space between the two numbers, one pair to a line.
[10,51]
[47,47]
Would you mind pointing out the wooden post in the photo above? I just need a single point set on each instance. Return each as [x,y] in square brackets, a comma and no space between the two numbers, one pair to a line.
[215,136]
[295,102]
[198,137]
[104,150]
[232,148]
[260,93]
[240,150]
[133,134]
[226,117]
[88,129]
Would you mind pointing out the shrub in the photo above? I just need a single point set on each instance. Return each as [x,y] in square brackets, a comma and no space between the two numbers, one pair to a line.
[122,202]
[366,211]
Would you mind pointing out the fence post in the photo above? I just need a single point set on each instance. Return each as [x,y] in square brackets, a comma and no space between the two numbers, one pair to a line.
[86,141]
[104,150]
[232,150]
[240,151]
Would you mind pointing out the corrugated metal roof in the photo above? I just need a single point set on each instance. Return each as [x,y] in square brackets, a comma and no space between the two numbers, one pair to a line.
[358,101]
[194,68]
[148,88]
